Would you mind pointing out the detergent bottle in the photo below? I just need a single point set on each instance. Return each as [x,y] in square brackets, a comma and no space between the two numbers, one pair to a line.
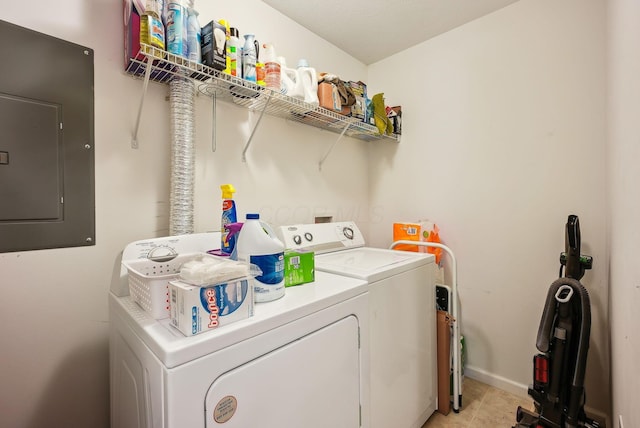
[289,80]
[308,81]
[227,240]
[234,52]
[151,27]
[258,245]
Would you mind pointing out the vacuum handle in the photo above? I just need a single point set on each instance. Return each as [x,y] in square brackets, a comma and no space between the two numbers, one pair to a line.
[573,234]
[572,249]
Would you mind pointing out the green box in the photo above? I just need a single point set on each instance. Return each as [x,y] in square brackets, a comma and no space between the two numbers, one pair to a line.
[299,267]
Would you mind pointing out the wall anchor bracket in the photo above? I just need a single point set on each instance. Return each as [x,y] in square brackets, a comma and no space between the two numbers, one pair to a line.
[255,127]
[147,75]
[324,158]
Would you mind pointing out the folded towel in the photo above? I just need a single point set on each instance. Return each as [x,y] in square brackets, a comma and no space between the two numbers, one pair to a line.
[210,270]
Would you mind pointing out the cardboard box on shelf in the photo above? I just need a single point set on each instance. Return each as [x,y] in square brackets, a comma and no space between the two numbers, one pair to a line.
[214,45]
[133,9]
[395,115]
[359,109]
[330,98]
[135,62]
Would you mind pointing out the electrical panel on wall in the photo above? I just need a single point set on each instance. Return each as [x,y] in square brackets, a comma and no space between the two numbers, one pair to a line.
[47,195]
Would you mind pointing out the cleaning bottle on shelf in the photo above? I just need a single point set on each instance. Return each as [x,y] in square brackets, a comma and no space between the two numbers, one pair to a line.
[176,27]
[272,68]
[308,82]
[289,80]
[258,245]
[193,36]
[234,52]
[249,57]
[227,240]
[151,27]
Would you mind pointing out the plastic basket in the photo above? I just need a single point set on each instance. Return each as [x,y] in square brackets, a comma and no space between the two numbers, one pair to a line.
[149,282]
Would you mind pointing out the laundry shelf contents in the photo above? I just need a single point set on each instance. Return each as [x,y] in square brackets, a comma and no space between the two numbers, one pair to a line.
[166,66]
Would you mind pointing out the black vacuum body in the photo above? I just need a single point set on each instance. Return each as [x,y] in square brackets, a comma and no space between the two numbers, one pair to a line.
[563,342]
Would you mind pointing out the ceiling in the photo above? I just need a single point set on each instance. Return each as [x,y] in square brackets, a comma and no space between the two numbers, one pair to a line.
[361,27]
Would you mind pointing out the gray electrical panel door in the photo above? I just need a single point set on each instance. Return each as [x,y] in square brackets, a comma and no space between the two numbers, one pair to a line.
[46,142]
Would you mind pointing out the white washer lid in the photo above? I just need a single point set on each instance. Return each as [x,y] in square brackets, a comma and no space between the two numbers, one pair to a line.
[371,264]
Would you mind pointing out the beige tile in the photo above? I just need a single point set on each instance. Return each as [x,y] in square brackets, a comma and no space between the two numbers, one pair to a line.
[438,420]
[483,406]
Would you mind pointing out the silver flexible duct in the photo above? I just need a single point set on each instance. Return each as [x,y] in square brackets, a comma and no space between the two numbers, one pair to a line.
[181,100]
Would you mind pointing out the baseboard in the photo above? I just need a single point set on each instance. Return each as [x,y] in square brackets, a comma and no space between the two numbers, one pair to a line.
[520,389]
[497,381]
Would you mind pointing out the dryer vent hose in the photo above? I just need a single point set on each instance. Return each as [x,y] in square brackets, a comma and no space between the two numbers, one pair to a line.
[181,100]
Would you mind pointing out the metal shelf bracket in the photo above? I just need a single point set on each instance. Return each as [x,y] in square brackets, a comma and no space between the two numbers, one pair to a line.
[324,158]
[147,74]
[255,127]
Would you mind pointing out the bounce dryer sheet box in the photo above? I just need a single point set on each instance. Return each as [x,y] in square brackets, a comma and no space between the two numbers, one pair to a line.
[299,267]
[197,309]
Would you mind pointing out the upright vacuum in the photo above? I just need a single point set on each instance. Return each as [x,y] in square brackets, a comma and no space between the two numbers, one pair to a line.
[563,342]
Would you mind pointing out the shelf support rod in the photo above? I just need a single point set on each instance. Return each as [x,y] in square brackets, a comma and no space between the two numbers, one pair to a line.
[213,123]
[324,158]
[255,127]
[147,75]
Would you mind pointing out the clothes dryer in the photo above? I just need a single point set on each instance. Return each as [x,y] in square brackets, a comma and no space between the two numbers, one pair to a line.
[300,361]
[402,317]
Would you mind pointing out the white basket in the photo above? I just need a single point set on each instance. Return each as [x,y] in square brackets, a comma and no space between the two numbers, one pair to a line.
[149,282]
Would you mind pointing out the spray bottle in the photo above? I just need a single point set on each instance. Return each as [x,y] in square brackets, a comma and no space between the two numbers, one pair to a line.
[227,240]
[271,67]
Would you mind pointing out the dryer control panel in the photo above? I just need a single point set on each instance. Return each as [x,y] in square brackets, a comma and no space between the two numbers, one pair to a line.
[322,237]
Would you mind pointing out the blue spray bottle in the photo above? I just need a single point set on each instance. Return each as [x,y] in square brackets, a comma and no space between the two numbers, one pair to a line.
[227,241]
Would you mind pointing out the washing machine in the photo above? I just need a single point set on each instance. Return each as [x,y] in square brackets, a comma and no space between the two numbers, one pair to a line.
[299,361]
[402,316]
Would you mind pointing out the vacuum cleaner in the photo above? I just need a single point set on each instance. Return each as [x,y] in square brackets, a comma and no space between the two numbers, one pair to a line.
[563,342]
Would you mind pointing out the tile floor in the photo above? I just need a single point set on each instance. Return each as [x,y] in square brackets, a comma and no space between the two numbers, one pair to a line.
[483,406]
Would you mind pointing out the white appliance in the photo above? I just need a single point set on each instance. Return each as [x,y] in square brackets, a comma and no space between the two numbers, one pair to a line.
[402,317]
[300,361]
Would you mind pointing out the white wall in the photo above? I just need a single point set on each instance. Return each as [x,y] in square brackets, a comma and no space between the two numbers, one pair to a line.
[504,137]
[624,226]
[54,359]
[504,131]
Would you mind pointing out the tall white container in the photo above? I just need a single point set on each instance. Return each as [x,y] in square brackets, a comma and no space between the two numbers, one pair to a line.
[308,80]
[258,245]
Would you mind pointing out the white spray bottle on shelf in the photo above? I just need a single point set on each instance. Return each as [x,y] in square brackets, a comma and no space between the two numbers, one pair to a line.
[272,68]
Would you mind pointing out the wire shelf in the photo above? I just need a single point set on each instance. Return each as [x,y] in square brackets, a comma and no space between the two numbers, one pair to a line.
[211,82]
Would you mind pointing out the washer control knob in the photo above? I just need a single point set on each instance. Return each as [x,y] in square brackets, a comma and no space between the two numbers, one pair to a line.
[297,239]
[308,236]
[348,232]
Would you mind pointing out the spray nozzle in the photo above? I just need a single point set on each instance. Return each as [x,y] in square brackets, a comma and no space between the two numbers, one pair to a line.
[227,191]
[233,228]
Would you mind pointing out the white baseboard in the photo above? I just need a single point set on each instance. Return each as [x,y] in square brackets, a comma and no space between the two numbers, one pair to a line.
[519,389]
[497,381]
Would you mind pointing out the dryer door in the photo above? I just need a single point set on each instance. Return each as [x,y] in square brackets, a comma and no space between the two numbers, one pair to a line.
[313,382]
